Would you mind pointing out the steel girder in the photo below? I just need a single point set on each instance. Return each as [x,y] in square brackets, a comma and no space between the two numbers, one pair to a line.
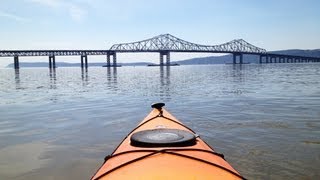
[11,53]
[167,42]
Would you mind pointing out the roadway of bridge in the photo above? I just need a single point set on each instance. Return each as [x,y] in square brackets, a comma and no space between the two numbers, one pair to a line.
[164,45]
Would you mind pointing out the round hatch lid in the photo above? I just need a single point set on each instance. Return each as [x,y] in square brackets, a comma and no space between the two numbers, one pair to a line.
[163,138]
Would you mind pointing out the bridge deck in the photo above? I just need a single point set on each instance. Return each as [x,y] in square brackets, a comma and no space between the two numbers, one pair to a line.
[163,44]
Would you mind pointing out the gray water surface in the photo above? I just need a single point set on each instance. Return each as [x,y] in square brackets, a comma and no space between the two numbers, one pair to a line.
[60,124]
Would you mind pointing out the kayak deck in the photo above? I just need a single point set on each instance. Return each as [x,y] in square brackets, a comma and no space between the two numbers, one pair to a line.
[194,160]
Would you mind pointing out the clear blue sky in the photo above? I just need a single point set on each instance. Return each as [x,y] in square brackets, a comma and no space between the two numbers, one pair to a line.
[97,24]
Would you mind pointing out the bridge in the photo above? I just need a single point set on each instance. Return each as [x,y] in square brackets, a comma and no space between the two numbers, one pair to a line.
[163,44]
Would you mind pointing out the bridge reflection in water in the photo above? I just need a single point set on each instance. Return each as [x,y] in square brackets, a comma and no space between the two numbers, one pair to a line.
[164,45]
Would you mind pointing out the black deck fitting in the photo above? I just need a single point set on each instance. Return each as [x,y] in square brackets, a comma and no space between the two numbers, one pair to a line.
[158,105]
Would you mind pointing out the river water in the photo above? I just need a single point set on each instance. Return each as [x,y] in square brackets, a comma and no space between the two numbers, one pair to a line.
[60,124]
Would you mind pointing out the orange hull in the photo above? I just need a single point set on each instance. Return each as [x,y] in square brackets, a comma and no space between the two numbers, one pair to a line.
[190,160]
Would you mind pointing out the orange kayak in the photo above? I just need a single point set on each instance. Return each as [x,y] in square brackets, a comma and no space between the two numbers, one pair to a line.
[161,147]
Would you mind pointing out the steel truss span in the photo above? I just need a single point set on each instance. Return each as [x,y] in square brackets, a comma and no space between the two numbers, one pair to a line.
[167,42]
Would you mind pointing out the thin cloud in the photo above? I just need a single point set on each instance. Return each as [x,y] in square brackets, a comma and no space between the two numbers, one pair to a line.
[14,17]
[76,13]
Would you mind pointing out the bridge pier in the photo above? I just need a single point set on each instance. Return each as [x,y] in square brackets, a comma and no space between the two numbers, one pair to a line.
[161,60]
[85,59]
[108,60]
[16,62]
[235,55]
[81,62]
[114,59]
[52,62]
[162,54]
[282,60]
[168,59]
[267,59]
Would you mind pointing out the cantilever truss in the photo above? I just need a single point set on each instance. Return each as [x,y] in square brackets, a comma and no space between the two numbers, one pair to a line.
[167,42]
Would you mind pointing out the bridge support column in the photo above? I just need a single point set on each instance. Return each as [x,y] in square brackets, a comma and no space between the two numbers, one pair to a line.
[272,59]
[260,59]
[266,59]
[162,54]
[281,60]
[108,60]
[161,59]
[235,55]
[52,61]
[81,62]
[114,59]
[85,59]
[16,62]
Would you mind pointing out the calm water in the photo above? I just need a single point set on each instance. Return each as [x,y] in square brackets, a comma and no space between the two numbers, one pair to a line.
[60,125]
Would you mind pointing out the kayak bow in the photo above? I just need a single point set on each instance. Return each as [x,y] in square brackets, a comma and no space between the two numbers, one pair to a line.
[161,147]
